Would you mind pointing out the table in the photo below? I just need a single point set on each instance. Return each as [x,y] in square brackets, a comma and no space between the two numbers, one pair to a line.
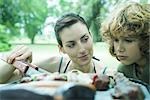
[50,87]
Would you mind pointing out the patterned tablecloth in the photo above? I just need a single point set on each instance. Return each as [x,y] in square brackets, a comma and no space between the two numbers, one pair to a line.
[49,87]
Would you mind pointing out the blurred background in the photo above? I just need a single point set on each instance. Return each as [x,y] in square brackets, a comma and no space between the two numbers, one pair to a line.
[31,22]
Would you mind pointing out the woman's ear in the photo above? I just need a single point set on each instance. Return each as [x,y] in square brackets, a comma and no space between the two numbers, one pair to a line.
[92,37]
[91,34]
[61,49]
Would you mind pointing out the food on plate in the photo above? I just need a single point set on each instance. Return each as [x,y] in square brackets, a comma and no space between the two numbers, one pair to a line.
[101,82]
[126,90]
[72,76]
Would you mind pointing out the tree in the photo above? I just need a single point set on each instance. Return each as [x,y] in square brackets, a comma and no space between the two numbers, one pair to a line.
[89,9]
[34,17]
[92,10]
[4,44]
[29,15]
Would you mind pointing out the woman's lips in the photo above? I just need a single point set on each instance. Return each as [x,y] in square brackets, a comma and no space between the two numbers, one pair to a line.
[85,57]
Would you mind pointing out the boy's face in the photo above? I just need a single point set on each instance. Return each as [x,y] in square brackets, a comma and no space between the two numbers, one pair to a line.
[77,43]
[127,49]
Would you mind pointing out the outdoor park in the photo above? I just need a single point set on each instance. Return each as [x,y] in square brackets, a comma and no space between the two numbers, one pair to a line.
[56,49]
[31,23]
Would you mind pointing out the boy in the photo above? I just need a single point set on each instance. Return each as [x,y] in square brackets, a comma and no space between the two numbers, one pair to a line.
[127,32]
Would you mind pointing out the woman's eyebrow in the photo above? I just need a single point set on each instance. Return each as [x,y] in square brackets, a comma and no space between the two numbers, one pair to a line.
[83,36]
[69,41]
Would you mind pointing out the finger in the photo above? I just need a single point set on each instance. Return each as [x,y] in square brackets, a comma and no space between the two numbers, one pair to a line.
[18,52]
[22,51]
[29,59]
[26,56]
[9,58]
[17,49]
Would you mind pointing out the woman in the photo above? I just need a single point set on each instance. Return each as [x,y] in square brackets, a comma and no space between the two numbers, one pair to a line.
[127,32]
[74,39]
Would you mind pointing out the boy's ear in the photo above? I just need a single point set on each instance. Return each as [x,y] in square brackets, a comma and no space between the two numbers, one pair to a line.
[61,49]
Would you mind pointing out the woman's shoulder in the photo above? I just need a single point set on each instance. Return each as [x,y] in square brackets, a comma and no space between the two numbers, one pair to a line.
[98,64]
[52,63]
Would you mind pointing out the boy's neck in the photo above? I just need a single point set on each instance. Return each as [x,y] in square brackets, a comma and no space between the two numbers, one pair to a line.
[142,62]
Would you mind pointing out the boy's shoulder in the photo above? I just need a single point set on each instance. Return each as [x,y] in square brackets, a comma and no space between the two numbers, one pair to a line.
[124,68]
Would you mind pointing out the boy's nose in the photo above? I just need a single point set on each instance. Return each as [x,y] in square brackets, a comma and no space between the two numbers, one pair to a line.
[120,47]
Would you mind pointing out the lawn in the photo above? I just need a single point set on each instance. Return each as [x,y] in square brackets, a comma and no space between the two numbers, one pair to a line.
[100,51]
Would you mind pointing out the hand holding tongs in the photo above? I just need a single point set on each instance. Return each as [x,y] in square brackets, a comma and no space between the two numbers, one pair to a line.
[26,68]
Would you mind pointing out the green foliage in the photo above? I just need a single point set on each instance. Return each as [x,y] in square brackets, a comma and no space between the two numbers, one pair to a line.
[144,1]
[4,46]
[4,39]
[92,10]
[29,15]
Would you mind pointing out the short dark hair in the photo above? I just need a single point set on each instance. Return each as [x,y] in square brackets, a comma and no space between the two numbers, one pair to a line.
[66,21]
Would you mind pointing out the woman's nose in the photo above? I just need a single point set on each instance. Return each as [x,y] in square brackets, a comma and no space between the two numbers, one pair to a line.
[81,48]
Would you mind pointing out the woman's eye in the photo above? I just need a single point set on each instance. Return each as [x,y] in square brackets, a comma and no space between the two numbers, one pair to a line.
[71,45]
[85,39]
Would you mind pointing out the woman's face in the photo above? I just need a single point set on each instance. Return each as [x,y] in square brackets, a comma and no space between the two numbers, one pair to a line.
[127,49]
[77,43]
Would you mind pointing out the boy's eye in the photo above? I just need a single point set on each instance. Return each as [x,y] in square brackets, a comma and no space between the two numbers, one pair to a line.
[129,40]
[116,40]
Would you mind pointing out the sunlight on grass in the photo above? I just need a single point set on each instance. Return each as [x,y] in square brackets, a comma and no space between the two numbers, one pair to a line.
[100,51]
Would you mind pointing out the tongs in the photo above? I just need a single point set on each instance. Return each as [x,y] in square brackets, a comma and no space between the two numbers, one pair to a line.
[26,68]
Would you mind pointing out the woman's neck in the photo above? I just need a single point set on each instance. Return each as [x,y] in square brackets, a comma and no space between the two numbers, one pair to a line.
[86,68]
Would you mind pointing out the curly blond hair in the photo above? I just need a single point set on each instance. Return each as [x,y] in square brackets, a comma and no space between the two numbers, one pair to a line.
[132,19]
